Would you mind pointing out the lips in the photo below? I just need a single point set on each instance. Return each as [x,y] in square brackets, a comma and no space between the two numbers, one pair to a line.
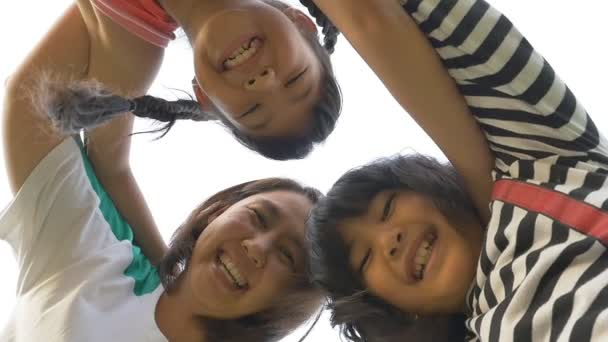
[427,235]
[232,276]
[234,56]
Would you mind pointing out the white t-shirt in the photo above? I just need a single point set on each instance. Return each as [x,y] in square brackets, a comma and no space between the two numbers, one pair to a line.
[80,276]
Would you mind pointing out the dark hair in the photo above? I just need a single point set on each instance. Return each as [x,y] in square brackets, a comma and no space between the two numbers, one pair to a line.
[329,30]
[361,315]
[84,105]
[272,324]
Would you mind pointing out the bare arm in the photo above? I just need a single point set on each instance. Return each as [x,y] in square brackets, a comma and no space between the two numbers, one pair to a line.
[128,65]
[28,138]
[93,54]
[400,55]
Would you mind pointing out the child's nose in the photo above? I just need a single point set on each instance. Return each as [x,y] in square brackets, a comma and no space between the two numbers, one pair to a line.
[263,80]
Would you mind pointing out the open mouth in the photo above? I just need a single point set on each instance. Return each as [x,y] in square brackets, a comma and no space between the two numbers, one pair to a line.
[233,274]
[243,53]
[423,254]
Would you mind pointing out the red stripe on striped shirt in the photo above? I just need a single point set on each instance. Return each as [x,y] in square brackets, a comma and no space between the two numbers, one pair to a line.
[582,216]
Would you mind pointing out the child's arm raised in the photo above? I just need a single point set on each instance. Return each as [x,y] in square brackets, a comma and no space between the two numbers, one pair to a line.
[127,65]
[90,56]
[393,46]
[526,111]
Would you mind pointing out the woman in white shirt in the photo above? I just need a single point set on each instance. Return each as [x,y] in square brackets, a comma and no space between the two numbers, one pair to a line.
[234,270]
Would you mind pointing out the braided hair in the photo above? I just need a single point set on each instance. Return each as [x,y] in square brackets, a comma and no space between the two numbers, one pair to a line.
[87,104]
[330,31]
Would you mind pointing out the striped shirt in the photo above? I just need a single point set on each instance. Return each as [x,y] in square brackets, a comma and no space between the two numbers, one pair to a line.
[543,271]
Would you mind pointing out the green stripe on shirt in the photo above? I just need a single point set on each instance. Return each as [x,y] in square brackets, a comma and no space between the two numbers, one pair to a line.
[141,270]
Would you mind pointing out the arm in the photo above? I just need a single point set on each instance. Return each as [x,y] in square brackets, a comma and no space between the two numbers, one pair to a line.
[21,119]
[525,110]
[127,65]
[393,46]
[90,57]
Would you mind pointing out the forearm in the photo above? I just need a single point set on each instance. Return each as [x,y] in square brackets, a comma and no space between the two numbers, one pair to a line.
[401,56]
[524,108]
[127,66]
[128,198]
[27,134]
[108,148]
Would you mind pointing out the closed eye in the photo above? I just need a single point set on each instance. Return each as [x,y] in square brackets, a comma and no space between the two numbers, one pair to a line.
[388,206]
[364,262]
[260,218]
[249,111]
[296,78]
[287,254]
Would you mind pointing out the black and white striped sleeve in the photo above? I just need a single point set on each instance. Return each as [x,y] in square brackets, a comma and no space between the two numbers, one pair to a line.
[525,110]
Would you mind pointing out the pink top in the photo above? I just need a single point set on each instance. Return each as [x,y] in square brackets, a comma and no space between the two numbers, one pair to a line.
[143,18]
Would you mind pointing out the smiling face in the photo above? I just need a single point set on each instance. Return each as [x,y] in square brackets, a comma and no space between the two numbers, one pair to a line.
[249,255]
[410,255]
[255,67]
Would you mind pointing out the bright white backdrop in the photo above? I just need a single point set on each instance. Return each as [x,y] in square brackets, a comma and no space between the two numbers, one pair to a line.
[196,160]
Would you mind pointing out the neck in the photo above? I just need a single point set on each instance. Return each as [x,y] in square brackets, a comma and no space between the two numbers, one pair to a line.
[176,319]
[190,14]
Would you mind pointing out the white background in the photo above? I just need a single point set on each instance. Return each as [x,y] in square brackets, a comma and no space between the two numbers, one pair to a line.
[196,160]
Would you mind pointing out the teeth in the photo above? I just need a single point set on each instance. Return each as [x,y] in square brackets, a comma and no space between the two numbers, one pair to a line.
[423,254]
[232,271]
[243,54]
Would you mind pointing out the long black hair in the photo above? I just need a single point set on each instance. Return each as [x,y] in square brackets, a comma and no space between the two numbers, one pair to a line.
[85,105]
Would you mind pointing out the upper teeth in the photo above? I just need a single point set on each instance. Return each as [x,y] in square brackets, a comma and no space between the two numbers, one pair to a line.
[423,254]
[243,54]
[232,271]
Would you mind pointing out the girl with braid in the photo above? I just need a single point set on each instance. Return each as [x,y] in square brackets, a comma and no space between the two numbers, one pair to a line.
[509,242]
[260,70]
[234,271]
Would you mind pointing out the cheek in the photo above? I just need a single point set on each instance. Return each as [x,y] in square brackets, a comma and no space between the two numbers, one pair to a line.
[383,283]
[458,271]
[215,88]
[275,281]
[219,231]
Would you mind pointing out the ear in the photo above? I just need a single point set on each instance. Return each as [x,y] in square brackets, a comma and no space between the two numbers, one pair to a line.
[301,20]
[202,98]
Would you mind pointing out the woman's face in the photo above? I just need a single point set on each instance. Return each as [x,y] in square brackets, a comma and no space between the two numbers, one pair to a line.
[255,67]
[408,254]
[249,255]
